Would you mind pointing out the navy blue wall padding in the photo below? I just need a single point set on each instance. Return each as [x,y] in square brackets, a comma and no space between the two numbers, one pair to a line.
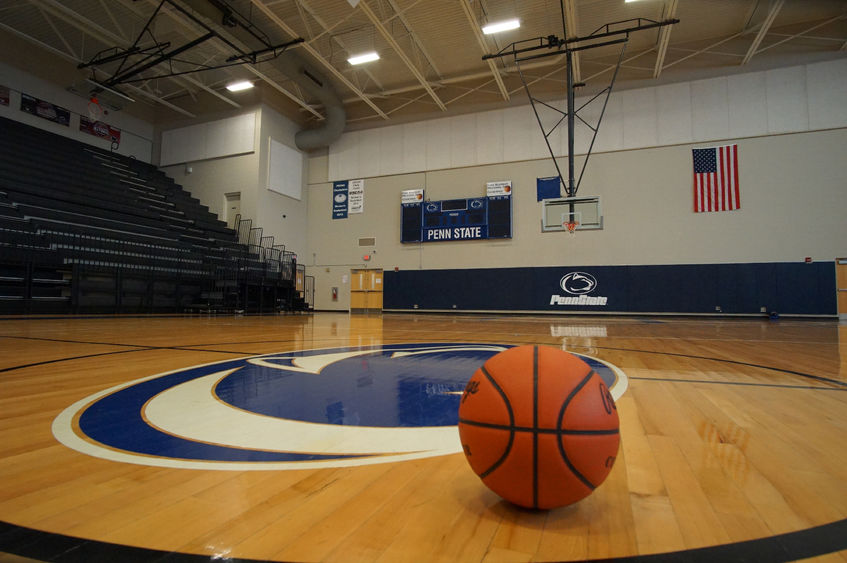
[785,287]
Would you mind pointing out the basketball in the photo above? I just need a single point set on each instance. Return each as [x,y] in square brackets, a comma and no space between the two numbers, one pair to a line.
[539,426]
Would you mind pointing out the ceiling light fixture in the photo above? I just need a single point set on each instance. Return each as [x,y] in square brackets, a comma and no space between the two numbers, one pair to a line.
[238,86]
[363,58]
[501,26]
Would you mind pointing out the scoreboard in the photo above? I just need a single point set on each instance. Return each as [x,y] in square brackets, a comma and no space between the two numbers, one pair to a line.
[457,219]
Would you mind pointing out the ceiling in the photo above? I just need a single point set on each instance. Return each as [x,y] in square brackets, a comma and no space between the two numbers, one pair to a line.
[431,51]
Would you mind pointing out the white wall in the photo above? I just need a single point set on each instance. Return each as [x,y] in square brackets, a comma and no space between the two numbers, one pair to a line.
[136,135]
[279,216]
[790,127]
[209,180]
[786,100]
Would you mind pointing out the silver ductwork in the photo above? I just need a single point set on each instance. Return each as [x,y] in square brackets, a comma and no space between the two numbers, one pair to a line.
[314,84]
[310,80]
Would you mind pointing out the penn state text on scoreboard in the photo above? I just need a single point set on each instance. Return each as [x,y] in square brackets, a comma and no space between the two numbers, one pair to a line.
[457,219]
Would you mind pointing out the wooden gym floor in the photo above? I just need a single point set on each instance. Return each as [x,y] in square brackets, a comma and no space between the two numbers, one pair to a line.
[733,437]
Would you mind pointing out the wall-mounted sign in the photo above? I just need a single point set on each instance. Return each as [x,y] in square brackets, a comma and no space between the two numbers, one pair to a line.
[45,110]
[348,196]
[412,196]
[339,200]
[457,219]
[498,188]
[99,129]
[356,196]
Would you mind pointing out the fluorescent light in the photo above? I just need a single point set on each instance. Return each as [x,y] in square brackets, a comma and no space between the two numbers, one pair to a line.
[238,86]
[501,26]
[364,58]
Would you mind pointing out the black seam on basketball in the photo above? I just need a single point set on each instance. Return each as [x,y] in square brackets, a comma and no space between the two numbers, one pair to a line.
[561,446]
[510,427]
[550,431]
[535,426]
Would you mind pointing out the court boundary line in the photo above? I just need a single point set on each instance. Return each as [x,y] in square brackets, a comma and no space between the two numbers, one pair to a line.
[789,546]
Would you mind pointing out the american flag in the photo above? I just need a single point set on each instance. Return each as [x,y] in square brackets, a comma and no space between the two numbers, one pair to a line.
[716,179]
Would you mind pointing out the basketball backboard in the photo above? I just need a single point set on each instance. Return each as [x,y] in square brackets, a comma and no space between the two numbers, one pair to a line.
[584,210]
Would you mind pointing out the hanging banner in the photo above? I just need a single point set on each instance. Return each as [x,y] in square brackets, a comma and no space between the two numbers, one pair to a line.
[339,199]
[45,110]
[547,188]
[356,196]
[4,95]
[99,129]
[498,188]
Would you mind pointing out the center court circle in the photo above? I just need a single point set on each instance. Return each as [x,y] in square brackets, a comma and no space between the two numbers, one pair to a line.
[291,410]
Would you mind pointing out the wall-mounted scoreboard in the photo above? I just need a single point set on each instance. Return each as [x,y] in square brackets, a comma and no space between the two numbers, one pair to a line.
[457,219]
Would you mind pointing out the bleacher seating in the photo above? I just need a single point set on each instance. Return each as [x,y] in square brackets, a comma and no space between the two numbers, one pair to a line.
[86,230]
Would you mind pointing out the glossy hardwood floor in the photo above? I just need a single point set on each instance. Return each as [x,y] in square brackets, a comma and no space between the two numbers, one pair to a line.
[731,430]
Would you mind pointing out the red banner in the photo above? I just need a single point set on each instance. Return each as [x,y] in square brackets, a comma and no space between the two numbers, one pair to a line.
[99,129]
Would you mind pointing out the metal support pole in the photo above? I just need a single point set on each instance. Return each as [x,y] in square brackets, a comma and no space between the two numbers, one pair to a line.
[571,187]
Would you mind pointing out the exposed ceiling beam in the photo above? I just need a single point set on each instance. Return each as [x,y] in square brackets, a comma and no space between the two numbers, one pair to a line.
[393,43]
[302,4]
[776,6]
[78,21]
[76,60]
[477,31]
[706,48]
[55,29]
[67,56]
[573,29]
[180,19]
[318,57]
[157,99]
[415,39]
[87,26]
[112,17]
[471,76]
[212,91]
[664,38]
[800,34]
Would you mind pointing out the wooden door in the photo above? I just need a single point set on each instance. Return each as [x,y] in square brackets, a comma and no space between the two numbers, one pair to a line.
[841,286]
[233,209]
[366,291]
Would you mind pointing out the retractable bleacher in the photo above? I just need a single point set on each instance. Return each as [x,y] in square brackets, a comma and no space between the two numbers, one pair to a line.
[85,230]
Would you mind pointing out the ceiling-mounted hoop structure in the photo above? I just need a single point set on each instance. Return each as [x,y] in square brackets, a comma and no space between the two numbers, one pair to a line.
[95,110]
[608,34]
[134,60]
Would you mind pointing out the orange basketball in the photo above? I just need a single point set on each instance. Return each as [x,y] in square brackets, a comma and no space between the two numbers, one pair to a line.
[539,426]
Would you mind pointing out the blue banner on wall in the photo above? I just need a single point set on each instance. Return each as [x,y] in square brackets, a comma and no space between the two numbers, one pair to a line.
[787,288]
[547,188]
[339,199]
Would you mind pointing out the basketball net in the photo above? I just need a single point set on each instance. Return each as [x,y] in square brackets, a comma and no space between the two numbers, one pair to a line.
[571,226]
[95,112]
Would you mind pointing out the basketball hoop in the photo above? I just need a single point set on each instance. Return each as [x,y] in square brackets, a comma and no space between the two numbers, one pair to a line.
[95,112]
[571,226]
